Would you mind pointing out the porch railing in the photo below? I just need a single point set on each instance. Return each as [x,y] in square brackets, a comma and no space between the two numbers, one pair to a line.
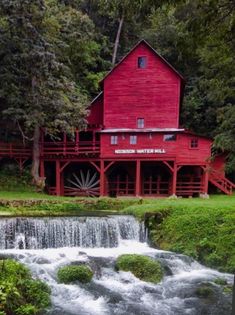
[189,186]
[14,150]
[70,148]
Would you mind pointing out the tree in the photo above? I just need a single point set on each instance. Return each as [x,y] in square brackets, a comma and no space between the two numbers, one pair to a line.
[38,91]
[125,11]
[189,37]
[76,43]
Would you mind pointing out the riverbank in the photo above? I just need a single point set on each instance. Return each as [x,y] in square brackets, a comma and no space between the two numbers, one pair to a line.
[201,228]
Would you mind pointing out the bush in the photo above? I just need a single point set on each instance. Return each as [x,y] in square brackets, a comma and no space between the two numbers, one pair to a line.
[79,273]
[27,309]
[19,293]
[143,267]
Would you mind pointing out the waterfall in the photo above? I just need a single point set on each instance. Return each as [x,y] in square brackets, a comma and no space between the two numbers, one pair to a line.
[39,233]
[47,244]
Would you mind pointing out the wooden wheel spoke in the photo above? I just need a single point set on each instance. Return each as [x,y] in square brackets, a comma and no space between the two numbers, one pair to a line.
[83,184]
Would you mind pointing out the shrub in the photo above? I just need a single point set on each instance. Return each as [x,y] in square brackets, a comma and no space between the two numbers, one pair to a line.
[79,273]
[19,293]
[27,309]
[143,267]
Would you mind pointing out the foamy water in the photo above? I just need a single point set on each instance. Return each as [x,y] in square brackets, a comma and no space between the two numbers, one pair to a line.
[121,293]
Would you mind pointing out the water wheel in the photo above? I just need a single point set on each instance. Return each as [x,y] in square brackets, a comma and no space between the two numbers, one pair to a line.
[83,184]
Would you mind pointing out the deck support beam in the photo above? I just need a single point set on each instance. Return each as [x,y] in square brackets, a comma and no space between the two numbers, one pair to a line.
[58,178]
[102,179]
[137,179]
[206,180]
[174,179]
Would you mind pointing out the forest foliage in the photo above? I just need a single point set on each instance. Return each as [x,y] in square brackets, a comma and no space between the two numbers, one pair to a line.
[53,54]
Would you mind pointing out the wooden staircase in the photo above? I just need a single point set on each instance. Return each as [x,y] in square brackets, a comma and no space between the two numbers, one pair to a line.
[221,182]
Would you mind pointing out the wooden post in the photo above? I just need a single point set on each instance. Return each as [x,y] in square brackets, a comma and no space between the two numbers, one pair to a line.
[64,143]
[62,183]
[102,179]
[137,179]
[93,140]
[58,184]
[42,169]
[77,141]
[206,179]
[174,180]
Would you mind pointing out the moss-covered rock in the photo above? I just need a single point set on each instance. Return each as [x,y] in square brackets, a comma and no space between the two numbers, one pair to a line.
[143,267]
[205,291]
[81,273]
[220,281]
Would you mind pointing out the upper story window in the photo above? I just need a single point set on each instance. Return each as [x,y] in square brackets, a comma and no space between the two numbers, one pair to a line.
[114,140]
[140,122]
[142,62]
[169,137]
[194,143]
[133,139]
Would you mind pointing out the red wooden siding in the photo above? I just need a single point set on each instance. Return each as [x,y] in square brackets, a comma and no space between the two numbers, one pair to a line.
[96,112]
[152,93]
[178,150]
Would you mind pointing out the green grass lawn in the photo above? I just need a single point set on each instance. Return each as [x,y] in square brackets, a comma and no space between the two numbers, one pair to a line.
[28,194]
[180,205]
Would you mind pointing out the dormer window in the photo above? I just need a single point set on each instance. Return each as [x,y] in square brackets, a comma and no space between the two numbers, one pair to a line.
[140,122]
[142,62]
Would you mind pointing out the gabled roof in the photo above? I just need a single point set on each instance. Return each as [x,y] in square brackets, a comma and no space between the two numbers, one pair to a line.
[153,50]
[157,54]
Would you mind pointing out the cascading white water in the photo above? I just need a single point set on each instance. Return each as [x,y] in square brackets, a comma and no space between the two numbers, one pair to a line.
[110,292]
[38,233]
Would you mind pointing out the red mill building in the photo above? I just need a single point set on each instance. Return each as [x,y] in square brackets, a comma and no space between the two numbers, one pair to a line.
[133,145]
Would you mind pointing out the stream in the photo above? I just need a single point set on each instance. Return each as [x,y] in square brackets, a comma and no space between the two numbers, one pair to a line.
[46,244]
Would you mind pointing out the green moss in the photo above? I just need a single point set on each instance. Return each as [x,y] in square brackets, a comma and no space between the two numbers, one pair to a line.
[79,273]
[143,267]
[19,293]
[220,281]
[205,291]
[228,289]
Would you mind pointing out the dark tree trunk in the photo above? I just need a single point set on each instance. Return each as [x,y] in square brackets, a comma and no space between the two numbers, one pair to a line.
[36,156]
[116,44]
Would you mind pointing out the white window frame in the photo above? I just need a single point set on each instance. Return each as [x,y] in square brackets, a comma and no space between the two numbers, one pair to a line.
[114,140]
[133,139]
[140,123]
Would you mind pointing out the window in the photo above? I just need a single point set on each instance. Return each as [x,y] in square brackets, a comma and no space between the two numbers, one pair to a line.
[140,122]
[194,143]
[150,136]
[142,62]
[114,139]
[169,137]
[133,139]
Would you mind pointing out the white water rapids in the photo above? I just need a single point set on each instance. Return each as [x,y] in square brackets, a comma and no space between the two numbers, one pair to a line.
[110,292]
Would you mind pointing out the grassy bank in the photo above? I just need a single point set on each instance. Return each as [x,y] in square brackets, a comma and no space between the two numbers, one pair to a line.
[203,229]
